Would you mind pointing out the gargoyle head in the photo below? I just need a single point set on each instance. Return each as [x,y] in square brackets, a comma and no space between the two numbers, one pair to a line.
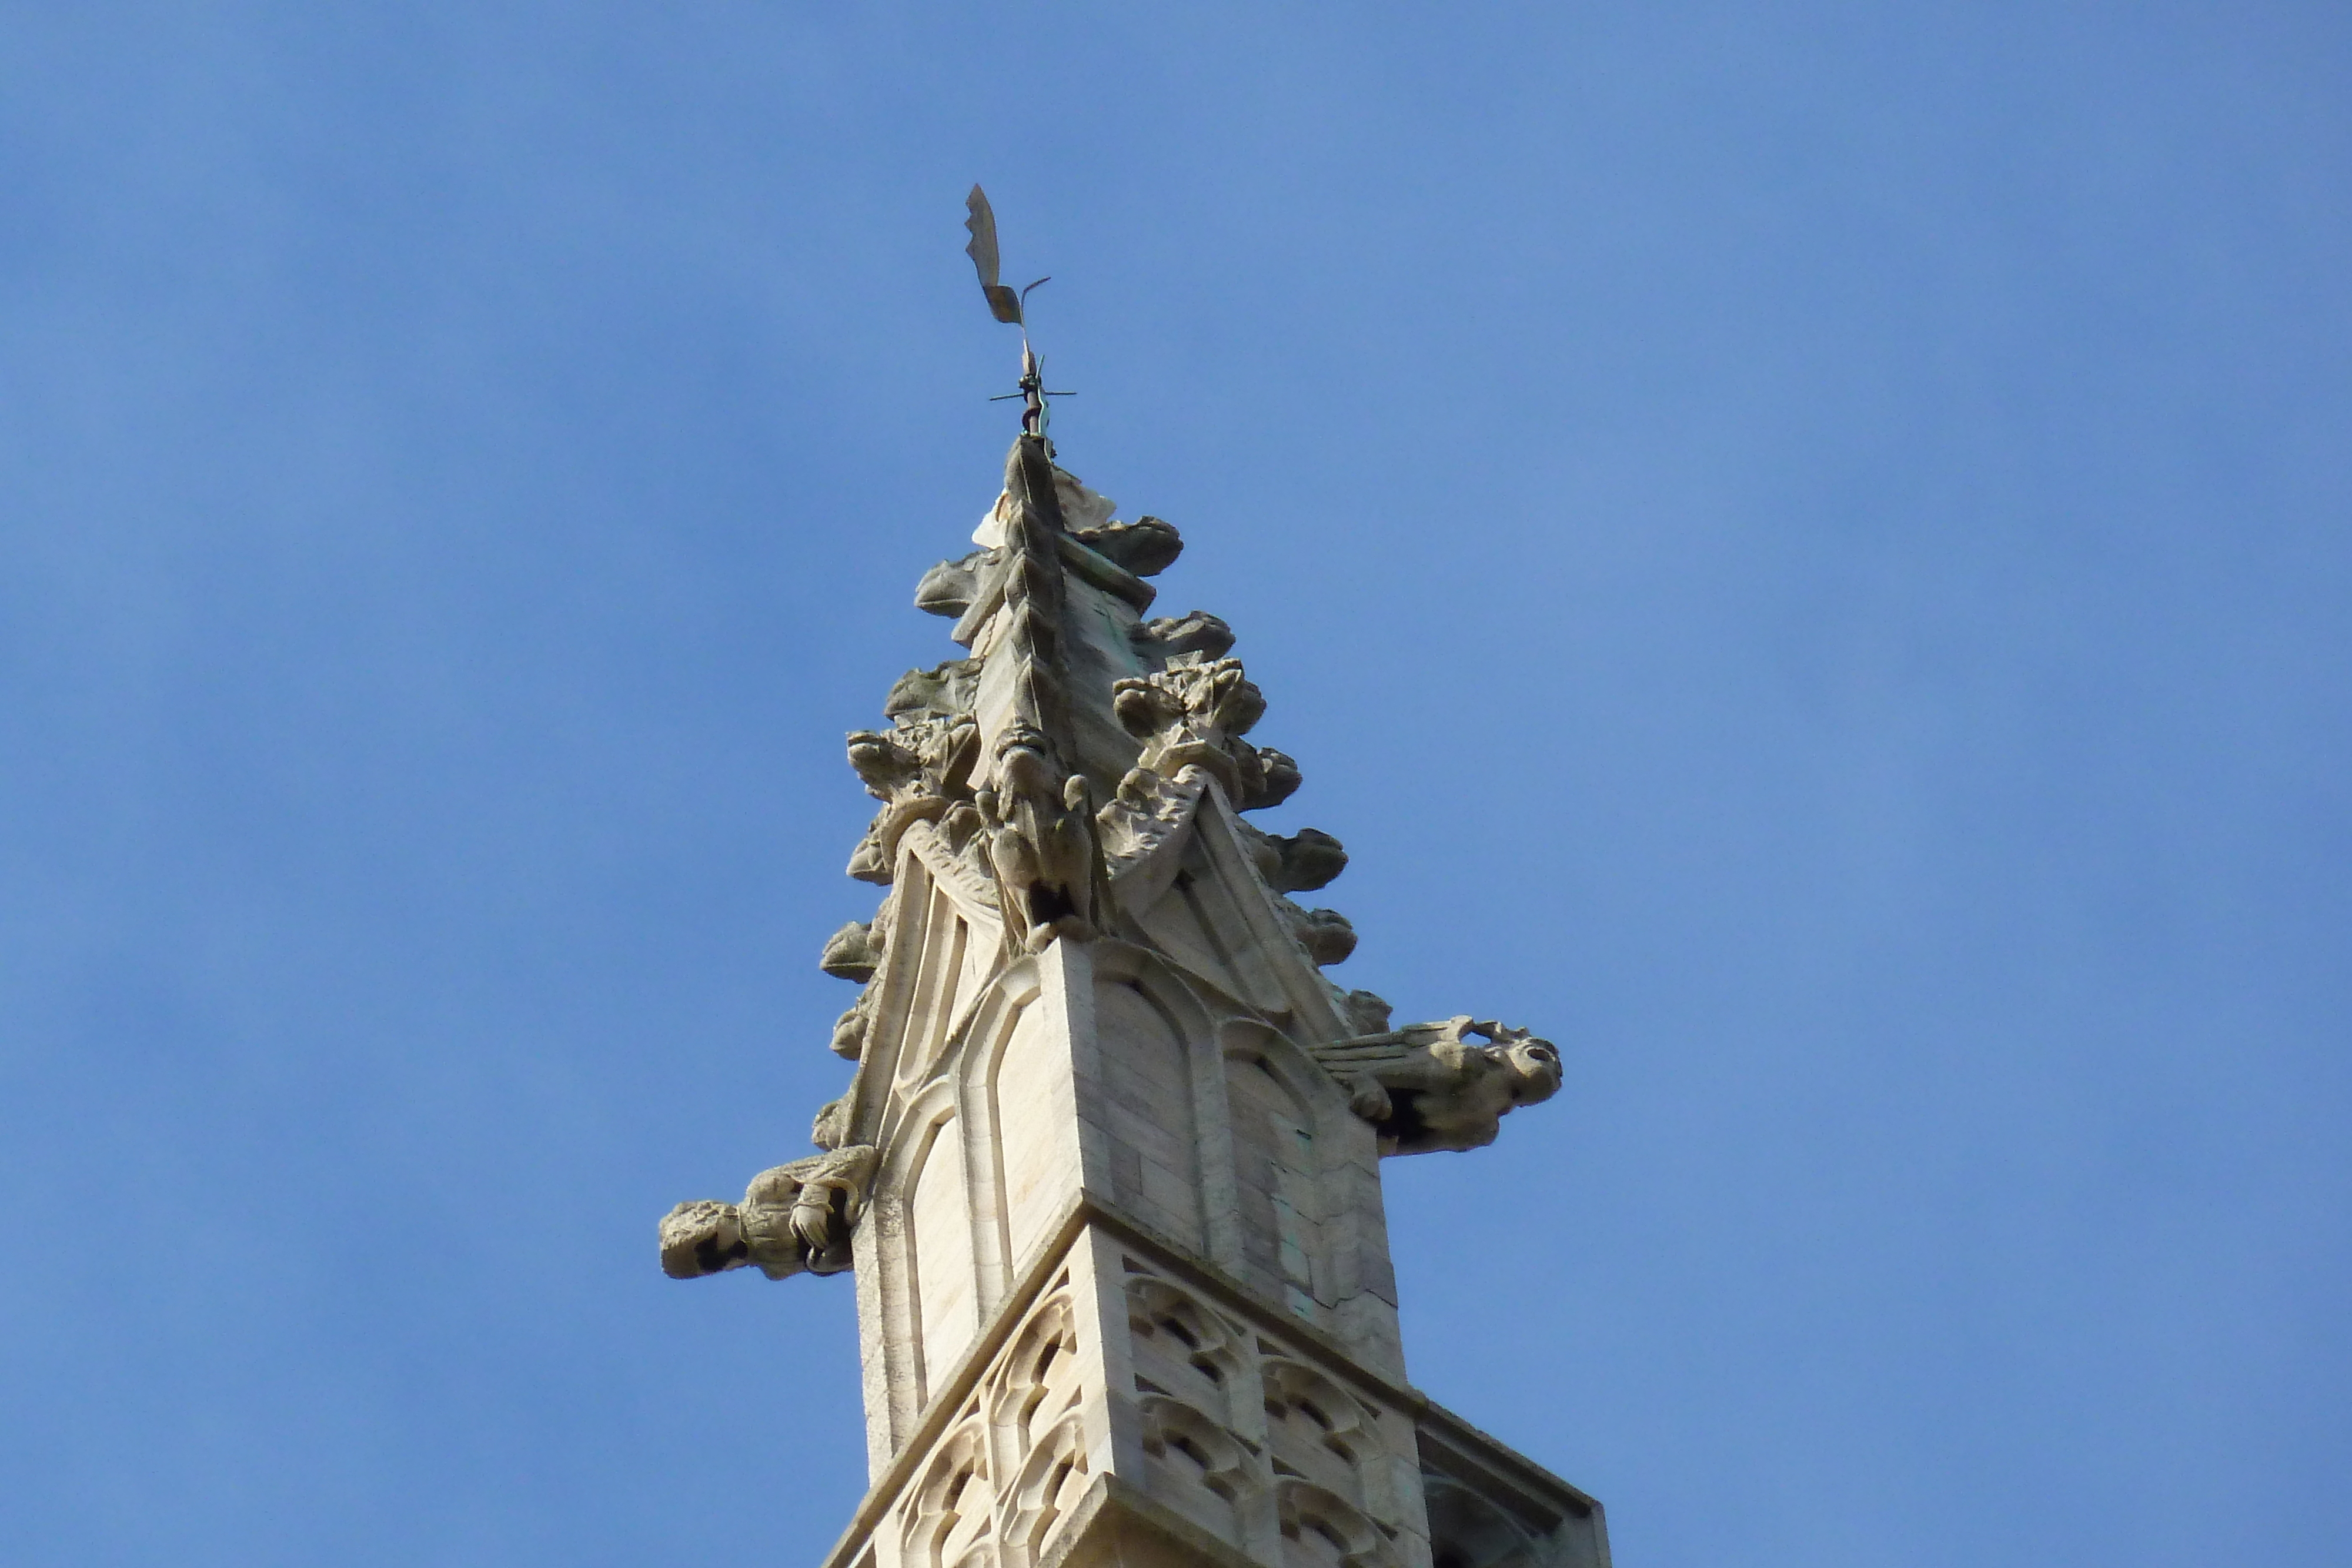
[885,766]
[916,757]
[1531,1063]
[1025,770]
[705,1237]
[1193,714]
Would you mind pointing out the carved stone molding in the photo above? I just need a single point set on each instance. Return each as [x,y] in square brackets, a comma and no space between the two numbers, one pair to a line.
[1045,1492]
[1320,1527]
[948,1519]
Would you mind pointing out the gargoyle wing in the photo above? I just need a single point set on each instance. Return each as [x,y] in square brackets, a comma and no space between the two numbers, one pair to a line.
[1377,1056]
[1386,1055]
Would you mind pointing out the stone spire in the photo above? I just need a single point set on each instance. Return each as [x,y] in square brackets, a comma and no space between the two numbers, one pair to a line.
[1107,1168]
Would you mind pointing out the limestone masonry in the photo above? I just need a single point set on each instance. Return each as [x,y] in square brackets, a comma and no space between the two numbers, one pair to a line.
[1108,1170]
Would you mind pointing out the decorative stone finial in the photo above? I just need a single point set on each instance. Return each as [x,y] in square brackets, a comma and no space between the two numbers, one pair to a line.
[1108,1165]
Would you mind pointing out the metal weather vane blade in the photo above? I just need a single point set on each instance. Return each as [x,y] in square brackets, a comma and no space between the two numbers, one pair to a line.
[1002,302]
[1008,307]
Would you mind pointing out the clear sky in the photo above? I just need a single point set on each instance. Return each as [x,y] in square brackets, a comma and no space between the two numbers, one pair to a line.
[1804,549]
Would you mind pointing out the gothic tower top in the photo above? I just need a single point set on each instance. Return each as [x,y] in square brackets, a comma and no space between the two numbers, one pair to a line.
[1107,1168]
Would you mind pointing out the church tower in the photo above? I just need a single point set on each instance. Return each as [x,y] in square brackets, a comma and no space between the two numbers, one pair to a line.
[1108,1169]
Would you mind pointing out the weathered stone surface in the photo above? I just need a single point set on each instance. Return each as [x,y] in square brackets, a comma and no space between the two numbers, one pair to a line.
[794,1219]
[945,690]
[1145,817]
[1489,1508]
[1040,843]
[1326,934]
[851,952]
[1305,861]
[917,770]
[1146,547]
[1278,780]
[1193,714]
[849,1030]
[1198,633]
[948,588]
[1428,1087]
[1366,1013]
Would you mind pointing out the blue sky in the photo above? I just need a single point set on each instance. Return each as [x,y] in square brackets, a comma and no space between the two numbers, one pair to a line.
[1802,547]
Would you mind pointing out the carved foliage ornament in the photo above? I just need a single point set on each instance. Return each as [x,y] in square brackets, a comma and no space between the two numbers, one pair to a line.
[921,767]
[1194,714]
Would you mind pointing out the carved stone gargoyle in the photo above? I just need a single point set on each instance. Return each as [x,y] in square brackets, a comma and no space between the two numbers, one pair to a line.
[1429,1086]
[1197,632]
[1327,935]
[853,952]
[917,769]
[1041,844]
[1194,714]
[795,1218]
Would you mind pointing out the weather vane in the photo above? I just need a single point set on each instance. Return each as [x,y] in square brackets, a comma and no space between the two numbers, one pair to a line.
[1007,306]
